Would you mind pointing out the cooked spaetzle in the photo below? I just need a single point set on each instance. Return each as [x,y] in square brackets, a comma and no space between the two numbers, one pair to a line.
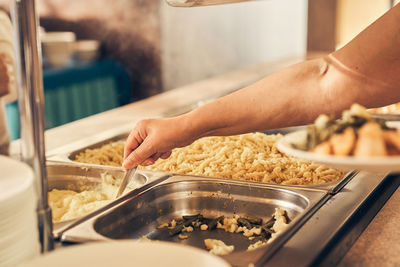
[110,154]
[251,157]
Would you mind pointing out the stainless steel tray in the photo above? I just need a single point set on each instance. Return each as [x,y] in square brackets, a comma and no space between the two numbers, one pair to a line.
[120,137]
[78,177]
[140,214]
[70,151]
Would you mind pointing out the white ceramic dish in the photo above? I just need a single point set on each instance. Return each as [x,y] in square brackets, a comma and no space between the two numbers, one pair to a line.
[129,253]
[373,164]
[19,238]
[15,182]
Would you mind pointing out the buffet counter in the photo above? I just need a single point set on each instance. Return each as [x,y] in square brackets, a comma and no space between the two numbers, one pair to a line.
[371,249]
[378,245]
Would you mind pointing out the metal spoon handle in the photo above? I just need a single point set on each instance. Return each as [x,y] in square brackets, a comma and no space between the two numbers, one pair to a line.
[129,173]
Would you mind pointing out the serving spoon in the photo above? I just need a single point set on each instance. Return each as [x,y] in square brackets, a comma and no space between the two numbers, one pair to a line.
[125,181]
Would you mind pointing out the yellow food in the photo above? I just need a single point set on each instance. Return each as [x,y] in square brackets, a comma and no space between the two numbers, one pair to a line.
[343,143]
[392,139]
[251,157]
[280,220]
[203,227]
[68,204]
[110,154]
[218,247]
[370,141]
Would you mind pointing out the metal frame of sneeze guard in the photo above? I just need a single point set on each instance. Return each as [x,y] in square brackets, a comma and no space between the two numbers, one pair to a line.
[31,108]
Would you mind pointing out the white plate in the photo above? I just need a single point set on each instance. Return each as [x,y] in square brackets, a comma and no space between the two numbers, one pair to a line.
[372,164]
[128,253]
[16,180]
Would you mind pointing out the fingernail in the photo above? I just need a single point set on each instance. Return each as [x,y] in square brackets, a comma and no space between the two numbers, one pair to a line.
[124,164]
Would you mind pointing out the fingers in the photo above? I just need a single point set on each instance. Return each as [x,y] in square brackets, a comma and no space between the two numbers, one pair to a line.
[156,156]
[148,162]
[132,142]
[138,156]
[166,155]
[145,144]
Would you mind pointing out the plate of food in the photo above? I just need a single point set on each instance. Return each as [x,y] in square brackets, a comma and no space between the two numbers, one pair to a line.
[356,141]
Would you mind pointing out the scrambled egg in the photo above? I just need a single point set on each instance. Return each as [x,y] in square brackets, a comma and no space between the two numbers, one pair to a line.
[68,204]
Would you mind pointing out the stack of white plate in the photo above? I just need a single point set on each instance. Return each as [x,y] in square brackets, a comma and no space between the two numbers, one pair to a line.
[127,253]
[19,239]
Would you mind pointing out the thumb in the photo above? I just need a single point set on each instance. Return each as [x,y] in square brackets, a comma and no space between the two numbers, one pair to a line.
[143,152]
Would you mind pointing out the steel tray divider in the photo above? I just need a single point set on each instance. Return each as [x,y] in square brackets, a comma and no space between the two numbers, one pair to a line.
[151,183]
[344,182]
[323,187]
[346,178]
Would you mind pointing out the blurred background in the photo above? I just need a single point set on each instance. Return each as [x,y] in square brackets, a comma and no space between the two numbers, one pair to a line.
[101,54]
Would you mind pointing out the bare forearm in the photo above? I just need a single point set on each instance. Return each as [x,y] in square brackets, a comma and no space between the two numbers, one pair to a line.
[291,97]
[365,71]
[294,96]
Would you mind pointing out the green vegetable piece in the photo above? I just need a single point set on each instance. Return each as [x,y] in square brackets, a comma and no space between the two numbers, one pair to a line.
[176,230]
[270,223]
[244,222]
[267,230]
[190,217]
[254,220]
[213,223]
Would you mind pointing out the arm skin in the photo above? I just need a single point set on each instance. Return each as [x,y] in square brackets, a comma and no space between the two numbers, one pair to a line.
[7,80]
[365,71]
[5,74]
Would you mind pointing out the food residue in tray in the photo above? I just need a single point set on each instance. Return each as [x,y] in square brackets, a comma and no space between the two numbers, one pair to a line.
[356,134]
[251,157]
[218,247]
[255,229]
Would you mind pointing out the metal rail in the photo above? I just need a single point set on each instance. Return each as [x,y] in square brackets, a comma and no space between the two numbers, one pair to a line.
[31,107]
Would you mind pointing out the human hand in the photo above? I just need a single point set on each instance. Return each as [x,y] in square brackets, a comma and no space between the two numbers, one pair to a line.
[6,74]
[152,139]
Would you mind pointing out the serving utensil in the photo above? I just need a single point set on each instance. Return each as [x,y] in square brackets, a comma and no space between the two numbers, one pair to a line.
[125,181]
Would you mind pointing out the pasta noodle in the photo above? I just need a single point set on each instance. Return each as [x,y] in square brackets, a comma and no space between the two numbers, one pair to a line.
[250,157]
[109,154]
